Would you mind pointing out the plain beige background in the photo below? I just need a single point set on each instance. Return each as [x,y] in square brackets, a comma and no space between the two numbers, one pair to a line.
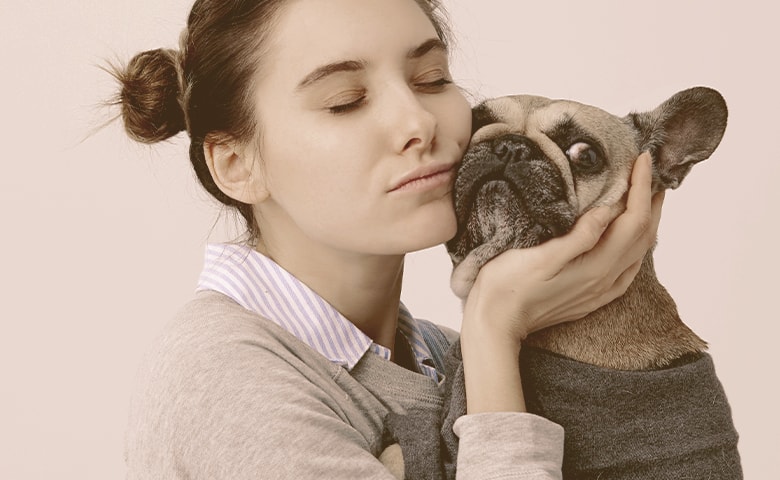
[102,239]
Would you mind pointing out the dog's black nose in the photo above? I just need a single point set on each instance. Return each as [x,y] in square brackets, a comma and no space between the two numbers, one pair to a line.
[512,148]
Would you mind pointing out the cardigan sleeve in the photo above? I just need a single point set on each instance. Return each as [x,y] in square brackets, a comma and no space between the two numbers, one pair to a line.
[508,446]
[221,406]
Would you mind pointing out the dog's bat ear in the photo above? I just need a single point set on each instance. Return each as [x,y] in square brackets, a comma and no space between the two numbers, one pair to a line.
[681,132]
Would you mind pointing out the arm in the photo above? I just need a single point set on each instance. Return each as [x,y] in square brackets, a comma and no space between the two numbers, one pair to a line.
[522,291]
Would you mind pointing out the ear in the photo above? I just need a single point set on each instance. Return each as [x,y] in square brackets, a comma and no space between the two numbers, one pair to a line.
[236,169]
[681,132]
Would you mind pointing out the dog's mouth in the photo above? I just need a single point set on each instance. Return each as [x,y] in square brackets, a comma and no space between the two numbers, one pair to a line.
[518,203]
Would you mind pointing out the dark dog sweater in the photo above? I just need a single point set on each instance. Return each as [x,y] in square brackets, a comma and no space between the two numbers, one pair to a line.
[673,423]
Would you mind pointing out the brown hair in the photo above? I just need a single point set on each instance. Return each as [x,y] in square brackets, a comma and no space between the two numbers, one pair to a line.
[205,86]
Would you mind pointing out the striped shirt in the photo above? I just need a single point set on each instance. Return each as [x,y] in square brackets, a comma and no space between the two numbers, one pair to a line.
[260,285]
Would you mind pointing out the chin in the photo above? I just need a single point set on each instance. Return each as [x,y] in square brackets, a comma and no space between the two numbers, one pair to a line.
[431,230]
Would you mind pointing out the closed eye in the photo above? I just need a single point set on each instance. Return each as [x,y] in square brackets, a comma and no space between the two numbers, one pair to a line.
[347,107]
[434,86]
[346,101]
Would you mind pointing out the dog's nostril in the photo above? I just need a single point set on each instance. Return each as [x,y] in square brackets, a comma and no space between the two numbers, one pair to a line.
[502,151]
[513,148]
[510,152]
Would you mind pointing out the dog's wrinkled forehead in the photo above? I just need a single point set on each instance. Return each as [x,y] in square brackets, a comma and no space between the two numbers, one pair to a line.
[502,115]
[543,119]
[556,126]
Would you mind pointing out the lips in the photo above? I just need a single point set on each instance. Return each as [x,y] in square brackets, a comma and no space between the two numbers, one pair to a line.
[428,172]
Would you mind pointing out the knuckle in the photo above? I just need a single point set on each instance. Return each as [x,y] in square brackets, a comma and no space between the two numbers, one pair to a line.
[591,235]
[608,289]
[623,284]
[598,285]
[644,221]
[625,280]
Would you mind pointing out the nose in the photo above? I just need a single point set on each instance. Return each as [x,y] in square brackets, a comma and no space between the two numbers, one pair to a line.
[415,124]
[513,148]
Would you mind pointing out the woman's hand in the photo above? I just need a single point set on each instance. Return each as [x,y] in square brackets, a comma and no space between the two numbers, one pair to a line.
[564,279]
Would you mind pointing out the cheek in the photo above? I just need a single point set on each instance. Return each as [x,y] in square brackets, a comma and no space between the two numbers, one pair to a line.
[310,172]
[456,117]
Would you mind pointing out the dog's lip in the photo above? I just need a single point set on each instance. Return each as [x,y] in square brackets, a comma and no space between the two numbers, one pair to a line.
[422,172]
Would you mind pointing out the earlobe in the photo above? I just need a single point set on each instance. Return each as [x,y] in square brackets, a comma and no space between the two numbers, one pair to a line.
[236,171]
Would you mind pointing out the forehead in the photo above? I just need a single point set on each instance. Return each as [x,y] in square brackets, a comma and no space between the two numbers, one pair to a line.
[309,33]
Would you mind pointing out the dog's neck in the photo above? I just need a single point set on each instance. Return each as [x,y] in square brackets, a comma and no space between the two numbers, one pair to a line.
[640,330]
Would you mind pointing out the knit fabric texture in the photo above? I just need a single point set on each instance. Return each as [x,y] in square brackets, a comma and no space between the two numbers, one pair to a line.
[227,394]
[674,423]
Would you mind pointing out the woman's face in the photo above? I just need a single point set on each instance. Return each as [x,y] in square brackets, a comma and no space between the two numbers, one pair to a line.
[361,128]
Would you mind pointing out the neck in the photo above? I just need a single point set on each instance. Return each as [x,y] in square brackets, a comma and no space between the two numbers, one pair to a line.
[639,330]
[366,289]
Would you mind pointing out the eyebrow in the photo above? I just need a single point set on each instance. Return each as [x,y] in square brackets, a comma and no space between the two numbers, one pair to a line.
[425,47]
[356,65]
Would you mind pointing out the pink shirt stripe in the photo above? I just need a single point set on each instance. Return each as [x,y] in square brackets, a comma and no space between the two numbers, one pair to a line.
[259,284]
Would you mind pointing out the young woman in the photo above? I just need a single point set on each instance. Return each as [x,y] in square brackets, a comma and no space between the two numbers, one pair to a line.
[335,130]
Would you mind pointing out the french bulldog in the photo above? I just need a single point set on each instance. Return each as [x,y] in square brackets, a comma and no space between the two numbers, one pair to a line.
[535,165]
[630,383]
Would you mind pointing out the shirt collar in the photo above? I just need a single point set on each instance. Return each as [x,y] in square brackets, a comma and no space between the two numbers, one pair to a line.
[259,284]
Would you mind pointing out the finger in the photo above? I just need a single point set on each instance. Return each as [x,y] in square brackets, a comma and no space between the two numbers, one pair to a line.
[638,205]
[641,182]
[656,207]
[636,217]
[589,231]
[629,228]
[647,239]
[624,280]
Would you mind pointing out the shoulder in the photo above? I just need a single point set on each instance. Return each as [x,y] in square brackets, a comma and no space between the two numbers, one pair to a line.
[219,377]
[216,358]
[213,338]
[213,321]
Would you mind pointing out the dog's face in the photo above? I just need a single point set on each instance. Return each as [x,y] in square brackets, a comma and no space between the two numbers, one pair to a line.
[535,165]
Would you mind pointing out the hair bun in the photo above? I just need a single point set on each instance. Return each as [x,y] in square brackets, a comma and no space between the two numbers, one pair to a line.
[150,96]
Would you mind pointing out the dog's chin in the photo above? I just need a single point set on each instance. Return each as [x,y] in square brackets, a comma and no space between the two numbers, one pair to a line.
[496,220]
[502,218]
[498,216]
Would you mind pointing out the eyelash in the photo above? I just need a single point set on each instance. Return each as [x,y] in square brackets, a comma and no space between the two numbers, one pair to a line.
[348,107]
[442,82]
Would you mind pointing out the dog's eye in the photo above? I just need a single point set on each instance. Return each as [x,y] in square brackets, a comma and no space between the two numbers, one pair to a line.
[584,158]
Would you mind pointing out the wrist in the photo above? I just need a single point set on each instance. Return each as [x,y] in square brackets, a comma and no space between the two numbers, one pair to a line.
[491,370]
[492,320]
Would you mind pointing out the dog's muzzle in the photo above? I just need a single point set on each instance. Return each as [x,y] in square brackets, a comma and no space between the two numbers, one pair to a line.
[508,179]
